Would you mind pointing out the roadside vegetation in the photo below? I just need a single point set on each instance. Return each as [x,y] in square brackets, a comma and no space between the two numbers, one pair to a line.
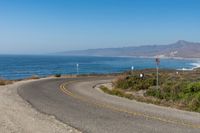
[117,92]
[176,88]
[57,75]
[32,77]
[5,82]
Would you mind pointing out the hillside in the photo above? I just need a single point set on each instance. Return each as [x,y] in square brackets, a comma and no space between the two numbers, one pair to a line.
[181,48]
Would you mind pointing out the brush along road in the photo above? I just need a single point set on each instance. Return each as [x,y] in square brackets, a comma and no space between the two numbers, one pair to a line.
[78,103]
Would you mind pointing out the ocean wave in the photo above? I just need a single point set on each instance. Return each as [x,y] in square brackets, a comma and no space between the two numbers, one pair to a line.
[186,69]
[195,65]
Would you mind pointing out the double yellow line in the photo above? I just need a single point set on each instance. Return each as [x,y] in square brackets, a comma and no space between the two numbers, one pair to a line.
[113,108]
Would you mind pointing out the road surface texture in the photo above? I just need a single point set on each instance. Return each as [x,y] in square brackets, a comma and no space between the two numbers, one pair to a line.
[17,116]
[78,103]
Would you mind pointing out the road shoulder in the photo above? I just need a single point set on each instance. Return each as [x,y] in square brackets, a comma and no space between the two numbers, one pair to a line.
[143,109]
[16,115]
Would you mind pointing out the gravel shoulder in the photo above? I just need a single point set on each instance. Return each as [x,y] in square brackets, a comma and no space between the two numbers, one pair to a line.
[18,116]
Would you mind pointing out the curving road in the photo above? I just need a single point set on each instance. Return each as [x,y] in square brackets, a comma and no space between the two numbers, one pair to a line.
[76,101]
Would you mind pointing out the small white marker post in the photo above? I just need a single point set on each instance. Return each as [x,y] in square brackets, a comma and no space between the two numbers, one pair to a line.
[183,69]
[77,69]
[157,68]
[132,68]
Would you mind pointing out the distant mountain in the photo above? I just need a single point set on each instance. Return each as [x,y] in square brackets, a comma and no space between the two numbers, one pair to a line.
[180,49]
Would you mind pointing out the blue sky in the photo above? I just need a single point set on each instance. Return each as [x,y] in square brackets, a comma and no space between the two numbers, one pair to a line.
[46,26]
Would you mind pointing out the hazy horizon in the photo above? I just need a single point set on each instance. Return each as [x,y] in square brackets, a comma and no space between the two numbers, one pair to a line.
[45,27]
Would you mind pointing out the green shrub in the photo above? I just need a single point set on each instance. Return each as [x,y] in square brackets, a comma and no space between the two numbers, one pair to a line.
[194,104]
[57,75]
[134,83]
[183,89]
[194,87]
[153,92]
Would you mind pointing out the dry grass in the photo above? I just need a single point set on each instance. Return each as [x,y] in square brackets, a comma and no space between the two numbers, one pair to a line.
[178,90]
[145,99]
[116,92]
[5,82]
[32,77]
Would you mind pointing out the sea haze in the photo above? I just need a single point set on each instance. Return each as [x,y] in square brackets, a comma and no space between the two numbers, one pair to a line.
[21,66]
[179,49]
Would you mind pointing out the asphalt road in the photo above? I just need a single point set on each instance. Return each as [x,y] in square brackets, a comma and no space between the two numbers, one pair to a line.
[77,103]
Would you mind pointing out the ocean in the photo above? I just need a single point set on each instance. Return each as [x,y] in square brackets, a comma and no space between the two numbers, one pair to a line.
[23,66]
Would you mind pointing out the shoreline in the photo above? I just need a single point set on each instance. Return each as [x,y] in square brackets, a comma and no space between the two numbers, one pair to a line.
[35,77]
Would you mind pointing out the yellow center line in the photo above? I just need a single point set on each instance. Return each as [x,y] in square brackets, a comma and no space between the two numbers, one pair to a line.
[112,108]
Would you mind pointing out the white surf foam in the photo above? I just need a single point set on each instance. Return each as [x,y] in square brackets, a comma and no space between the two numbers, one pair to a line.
[193,66]
[186,69]
[196,65]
